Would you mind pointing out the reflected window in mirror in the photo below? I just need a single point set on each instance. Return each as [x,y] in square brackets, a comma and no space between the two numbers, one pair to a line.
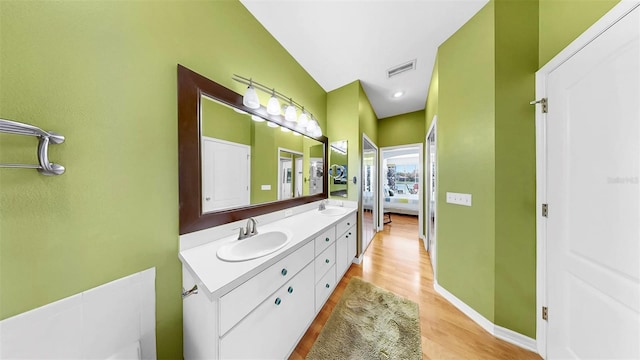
[338,175]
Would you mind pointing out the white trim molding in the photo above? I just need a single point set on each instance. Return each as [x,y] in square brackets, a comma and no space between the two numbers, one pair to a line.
[500,332]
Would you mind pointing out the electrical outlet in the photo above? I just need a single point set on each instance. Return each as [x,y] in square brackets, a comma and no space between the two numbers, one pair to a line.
[459,199]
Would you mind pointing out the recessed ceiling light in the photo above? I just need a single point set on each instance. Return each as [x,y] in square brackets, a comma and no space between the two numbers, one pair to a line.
[397,94]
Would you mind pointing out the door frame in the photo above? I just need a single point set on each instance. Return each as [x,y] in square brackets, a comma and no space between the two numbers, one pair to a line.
[381,175]
[375,192]
[280,167]
[609,19]
[433,129]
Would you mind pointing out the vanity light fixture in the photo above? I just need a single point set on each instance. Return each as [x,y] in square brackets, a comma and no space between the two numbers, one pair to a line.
[305,124]
[290,114]
[273,106]
[250,98]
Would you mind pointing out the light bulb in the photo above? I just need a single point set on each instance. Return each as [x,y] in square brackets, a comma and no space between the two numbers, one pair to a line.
[304,118]
[256,118]
[312,126]
[290,114]
[273,106]
[272,124]
[250,98]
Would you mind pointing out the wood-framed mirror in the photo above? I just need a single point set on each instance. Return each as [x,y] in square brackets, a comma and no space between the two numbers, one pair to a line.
[208,132]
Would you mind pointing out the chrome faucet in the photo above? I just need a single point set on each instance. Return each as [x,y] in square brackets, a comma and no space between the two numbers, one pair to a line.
[322,205]
[250,230]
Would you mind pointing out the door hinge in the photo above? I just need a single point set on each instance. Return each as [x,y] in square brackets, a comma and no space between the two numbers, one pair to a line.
[543,102]
[545,313]
[545,210]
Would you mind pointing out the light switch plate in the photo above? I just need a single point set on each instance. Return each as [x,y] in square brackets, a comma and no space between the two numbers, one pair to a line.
[459,198]
[265,187]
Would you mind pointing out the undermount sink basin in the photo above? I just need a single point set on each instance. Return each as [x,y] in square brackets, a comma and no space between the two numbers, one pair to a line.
[254,247]
[333,211]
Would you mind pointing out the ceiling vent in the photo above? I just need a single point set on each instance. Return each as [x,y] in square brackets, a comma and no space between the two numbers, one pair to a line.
[411,65]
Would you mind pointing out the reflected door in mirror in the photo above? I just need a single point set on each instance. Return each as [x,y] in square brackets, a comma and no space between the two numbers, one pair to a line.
[226,174]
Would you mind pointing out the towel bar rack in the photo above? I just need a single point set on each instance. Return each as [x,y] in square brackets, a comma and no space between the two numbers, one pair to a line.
[44,139]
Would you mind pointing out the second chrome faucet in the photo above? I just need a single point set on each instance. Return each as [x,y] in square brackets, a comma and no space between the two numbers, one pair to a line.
[250,230]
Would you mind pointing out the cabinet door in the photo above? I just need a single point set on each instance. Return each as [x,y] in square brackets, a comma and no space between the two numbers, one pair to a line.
[342,255]
[352,245]
[272,330]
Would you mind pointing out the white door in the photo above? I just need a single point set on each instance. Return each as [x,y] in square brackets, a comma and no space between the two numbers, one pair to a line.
[593,233]
[226,170]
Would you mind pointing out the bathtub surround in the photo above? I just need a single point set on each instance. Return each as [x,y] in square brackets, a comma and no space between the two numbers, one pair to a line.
[116,319]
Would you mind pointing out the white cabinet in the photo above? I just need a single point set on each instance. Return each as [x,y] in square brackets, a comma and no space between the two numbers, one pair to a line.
[345,245]
[264,316]
[273,328]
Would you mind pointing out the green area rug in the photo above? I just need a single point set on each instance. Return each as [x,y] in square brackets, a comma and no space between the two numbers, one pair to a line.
[369,323]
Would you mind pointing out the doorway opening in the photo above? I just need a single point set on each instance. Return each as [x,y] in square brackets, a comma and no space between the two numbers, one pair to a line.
[401,183]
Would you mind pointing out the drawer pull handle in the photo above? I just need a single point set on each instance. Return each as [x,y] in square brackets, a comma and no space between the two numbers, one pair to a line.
[327,261]
[283,272]
[278,301]
[290,290]
[326,239]
[327,286]
[349,233]
[348,224]
[347,236]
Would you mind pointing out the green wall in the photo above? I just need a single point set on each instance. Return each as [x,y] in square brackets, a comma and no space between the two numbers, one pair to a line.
[343,124]
[562,21]
[402,129]
[516,54]
[466,162]
[431,106]
[368,119]
[104,75]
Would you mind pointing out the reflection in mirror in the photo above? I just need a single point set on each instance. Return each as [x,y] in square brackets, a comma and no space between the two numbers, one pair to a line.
[228,164]
[316,169]
[338,176]
[289,173]
[246,161]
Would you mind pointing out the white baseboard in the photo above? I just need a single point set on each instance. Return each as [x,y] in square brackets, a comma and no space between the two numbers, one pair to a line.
[500,332]
[516,338]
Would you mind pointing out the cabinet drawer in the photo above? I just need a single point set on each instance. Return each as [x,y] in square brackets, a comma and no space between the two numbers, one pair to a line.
[345,224]
[325,287]
[272,330]
[325,239]
[237,303]
[325,260]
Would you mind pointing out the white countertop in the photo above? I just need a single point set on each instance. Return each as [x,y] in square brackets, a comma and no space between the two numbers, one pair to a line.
[219,276]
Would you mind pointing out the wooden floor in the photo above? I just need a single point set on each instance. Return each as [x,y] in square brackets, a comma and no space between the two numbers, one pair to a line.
[397,261]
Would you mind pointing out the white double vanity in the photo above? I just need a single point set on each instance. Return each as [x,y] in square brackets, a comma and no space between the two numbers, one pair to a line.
[261,307]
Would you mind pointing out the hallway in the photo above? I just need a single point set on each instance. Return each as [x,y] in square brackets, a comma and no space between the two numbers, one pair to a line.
[396,260]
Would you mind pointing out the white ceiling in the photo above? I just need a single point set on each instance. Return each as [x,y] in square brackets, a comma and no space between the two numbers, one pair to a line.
[338,42]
